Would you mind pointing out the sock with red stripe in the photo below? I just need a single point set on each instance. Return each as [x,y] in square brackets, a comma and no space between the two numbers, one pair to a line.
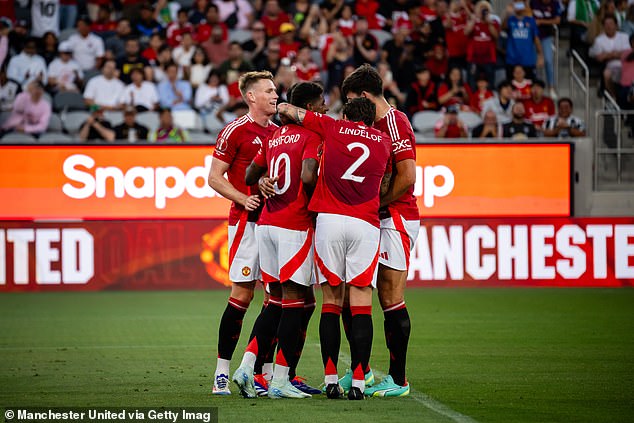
[265,330]
[307,313]
[258,365]
[330,340]
[288,334]
[361,338]
[230,327]
[397,329]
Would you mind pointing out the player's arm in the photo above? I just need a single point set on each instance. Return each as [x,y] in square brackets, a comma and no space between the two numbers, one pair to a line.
[256,174]
[309,175]
[293,113]
[404,178]
[385,185]
[220,184]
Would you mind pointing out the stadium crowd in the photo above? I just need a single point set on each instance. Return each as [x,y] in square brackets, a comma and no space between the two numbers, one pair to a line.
[120,61]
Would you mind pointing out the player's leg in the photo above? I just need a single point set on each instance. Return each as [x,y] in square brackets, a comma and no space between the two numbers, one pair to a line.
[330,336]
[361,337]
[309,308]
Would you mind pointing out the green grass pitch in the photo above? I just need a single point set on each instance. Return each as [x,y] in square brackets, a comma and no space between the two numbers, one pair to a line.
[485,355]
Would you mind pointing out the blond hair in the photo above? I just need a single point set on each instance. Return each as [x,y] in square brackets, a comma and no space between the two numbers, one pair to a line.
[248,79]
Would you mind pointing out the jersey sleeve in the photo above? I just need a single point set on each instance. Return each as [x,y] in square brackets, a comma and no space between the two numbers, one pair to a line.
[317,122]
[403,141]
[260,158]
[226,146]
[311,147]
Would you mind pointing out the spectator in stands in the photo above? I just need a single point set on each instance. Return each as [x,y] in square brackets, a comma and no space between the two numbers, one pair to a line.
[502,103]
[284,79]
[165,12]
[44,17]
[579,15]
[519,128]
[30,113]
[450,126]
[88,48]
[422,93]
[216,47]
[539,108]
[116,43]
[399,53]
[340,54]
[606,8]
[199,69]
[523,46]
[255,47]
[565,124]
[315,26]
[96,127]
[27,66]
[346,21]
[18,36]
[288,45]
[489,128]
[151,52]
[391,91]
[369,10]
[273,17]
[64,73]
[237,14]
[482,32]
[628,23]
[438,63]
[211,21]
[235,63]
[184,53]
[454,90]
[331,8]
[481,94]
[305,68]
[607,50]
[198,12]
[627,76]
[130,129]
[49,47]
[5,29]
[366,46]
[164,59]
[92,7]
[167,132]
[271,60]
[174,93]
[455,23]
[298,11]
[9,89]
[147,25]
[177,29]
[213,95]
[104,90]
[132,60]
[67,14]
[521,84]
[139,94]
[547,14]
[104,26]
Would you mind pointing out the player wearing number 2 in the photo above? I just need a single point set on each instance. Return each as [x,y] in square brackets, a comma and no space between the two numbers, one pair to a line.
[400,223]
[285,239]
[354,169]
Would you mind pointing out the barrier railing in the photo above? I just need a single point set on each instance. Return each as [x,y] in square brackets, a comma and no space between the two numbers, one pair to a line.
[582,81]
[609,145]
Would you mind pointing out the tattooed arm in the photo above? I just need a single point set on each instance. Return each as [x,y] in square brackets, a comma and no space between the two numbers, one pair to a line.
[295,114]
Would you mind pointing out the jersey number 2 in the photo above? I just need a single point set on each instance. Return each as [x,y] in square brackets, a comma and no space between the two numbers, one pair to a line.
[365,153]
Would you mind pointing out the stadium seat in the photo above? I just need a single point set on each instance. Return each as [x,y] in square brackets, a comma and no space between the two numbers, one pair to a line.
[114,117]
[381,36]
[198,137]
[55,124]
[186,4]
[239,35]
[148,119]
[56,137]
[423,122]
[187,119]
[89,74]
[73,120]
[212,123]
[4,116]
[66,33]
[68,101]
[470,119]
[18,137]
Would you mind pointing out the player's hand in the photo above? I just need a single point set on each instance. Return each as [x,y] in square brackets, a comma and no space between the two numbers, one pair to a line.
[267,186]
[251,203]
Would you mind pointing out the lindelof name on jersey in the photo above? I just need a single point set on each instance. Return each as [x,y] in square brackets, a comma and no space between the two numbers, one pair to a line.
[284,139]
[358,132]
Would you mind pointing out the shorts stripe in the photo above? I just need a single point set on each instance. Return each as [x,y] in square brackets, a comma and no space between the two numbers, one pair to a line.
[365,279]
[400,227]
[287,271]
[266,278]
[332,278]
[242,224]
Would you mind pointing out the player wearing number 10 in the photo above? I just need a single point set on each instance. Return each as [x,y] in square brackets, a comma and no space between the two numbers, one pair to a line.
[347,231]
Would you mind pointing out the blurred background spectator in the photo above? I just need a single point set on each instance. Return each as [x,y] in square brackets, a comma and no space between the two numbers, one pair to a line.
[450,126]
[565,124]
[27,66]
[105,90]
[130,130]
[167,132]
[489,128]
[96,127]
[30,113]
[64,73]
[518,128]
[174,93]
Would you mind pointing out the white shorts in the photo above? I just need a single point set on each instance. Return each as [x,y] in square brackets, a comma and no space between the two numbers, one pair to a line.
[285,254]
[346,250]
[398,237]
[244,265]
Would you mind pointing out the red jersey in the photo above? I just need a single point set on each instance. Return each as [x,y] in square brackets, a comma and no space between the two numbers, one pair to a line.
[272,25]
[455,36]
[310,72]
[397,126]
[478,98]
[349,184]
[283,155]
[481,47]
[237,145]
[175,32]
[522,90]
[289,50]
[538,113]
[456,99]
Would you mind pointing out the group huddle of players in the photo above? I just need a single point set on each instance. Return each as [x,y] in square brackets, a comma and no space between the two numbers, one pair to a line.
[317,200]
